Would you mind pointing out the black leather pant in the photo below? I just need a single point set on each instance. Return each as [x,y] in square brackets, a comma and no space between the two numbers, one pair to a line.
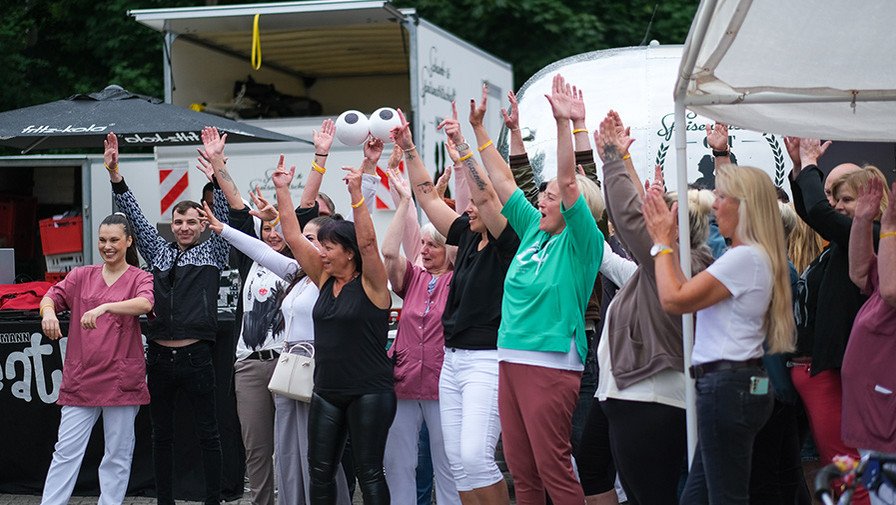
[368,418]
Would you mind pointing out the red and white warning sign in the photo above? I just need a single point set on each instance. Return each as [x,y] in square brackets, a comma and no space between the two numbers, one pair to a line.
[173,182]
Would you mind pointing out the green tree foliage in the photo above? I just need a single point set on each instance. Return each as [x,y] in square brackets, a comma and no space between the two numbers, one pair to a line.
[533,33]
[51,49]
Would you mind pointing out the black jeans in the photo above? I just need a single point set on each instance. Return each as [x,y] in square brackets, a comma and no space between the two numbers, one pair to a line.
[367,418]
[648,441]
[728,418]
[190,371]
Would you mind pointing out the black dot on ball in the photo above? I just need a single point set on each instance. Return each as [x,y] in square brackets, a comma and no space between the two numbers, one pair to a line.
[386,114]
[351,118]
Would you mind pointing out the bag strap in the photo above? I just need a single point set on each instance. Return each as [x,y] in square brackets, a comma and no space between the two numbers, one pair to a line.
[308,347]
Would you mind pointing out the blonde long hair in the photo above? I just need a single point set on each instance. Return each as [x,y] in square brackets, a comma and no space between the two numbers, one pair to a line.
[759,224]
[860,178]
[803,245]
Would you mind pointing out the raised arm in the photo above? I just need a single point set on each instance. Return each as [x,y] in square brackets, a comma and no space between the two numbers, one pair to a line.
[677,294]
[373,277]
[304,251]
[323,139]
[481,190]
[886,255]
[717,140]
[149,242]
[498,170]
[410,237]
[396,264]
[518,161]
[462,197]
[561,99]
[213,155]
[861,242]
[439,213]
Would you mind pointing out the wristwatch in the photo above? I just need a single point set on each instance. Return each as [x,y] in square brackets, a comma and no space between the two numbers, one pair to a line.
[658,249]
[462,147]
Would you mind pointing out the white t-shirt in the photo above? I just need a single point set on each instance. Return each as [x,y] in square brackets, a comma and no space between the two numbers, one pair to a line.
[666,387]
[733,328]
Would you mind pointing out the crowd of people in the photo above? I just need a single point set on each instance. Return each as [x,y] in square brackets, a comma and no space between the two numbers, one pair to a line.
[544,316]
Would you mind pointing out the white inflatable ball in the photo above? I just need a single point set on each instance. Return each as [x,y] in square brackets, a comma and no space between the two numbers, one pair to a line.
[352,128]
[382,121]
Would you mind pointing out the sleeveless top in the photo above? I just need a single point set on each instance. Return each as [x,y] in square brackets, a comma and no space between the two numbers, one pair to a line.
[350,335]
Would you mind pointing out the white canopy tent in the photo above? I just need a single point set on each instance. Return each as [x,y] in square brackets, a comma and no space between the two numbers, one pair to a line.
[802,68]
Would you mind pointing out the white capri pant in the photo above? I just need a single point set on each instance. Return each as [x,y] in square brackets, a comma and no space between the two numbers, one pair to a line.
[74,433]
[468,398]
[401,453]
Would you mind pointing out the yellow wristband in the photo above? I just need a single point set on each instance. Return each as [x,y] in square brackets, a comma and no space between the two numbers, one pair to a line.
[42,307]
[579,130]
[484,146]
[317,167]
[110,168]
[275,221]
[888,234]
[360,203]
[664,251]
[465,158]
[627,156]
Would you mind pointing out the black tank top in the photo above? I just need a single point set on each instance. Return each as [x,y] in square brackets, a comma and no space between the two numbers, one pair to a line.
[350,335]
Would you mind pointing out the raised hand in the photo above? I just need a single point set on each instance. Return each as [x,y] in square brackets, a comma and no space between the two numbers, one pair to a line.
[577,111]
[401,185]
[512,118]
[395,157]
[793,149]
[477,113]
[110,156]
[717,136]
[266,211]
[88,320]
[561,98]
[281,178]
[660,219]
[205,166]
[353,181]
[658,184]
[811,150]
[452,150]
[208,216]
[609,146]
[452,126]
[402,134]
[888,219]
[373,149]
[868,199]
[323,139]
[622,132]
[444,179]
[213,143]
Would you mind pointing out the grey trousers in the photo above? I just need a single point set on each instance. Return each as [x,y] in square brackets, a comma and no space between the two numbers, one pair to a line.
[255,407]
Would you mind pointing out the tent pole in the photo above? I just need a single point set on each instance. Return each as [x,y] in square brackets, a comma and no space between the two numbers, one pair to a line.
[684,247]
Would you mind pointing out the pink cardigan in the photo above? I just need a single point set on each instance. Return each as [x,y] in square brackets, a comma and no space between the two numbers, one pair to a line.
[104,366]
[419,346]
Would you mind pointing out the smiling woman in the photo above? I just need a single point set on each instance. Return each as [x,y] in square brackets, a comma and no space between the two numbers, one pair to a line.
[104,371]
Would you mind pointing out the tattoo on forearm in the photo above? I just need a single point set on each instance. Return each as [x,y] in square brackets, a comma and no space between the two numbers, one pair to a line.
[611,153]
[474,174]
[425,187]
[225,175]
[410,156]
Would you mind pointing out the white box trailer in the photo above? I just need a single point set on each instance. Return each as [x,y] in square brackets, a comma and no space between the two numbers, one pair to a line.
[359,55]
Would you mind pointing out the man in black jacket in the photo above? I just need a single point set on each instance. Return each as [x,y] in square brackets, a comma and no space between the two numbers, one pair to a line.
[186,275]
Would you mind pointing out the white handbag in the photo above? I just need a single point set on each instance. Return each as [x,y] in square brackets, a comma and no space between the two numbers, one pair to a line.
[293,376]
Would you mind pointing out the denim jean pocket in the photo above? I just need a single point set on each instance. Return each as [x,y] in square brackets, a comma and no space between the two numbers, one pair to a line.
[200,360]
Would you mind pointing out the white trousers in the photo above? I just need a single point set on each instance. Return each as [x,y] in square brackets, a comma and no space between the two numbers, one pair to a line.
[400,460]
[468,397]
[74,433]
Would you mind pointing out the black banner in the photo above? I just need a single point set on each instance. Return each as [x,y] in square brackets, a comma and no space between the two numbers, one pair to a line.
[30,376]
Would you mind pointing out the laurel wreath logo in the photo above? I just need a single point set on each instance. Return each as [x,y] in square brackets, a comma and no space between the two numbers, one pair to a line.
[779,158]
[661,154]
